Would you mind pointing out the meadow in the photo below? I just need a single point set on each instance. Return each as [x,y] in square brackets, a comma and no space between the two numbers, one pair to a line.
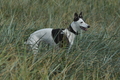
[95,54]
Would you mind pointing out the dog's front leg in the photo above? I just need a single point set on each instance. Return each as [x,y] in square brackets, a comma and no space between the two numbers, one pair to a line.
[69,47]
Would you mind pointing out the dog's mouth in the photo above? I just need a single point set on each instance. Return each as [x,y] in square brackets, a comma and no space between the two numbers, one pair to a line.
[83,28]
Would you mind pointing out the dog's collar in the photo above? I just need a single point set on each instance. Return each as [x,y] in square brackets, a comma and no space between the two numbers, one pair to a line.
[71,30]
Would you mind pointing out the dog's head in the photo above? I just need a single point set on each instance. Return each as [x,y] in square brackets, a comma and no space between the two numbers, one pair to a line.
[78,19]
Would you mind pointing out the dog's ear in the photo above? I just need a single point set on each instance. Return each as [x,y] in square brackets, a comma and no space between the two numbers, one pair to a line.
[80,15]
[76,17]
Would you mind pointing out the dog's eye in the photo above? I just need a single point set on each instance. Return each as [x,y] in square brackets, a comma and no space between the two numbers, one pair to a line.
[81,22]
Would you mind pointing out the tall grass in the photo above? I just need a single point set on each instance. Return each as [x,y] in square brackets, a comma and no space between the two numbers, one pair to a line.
[94,56]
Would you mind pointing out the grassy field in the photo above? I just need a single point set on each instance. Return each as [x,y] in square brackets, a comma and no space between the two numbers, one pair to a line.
[94,56]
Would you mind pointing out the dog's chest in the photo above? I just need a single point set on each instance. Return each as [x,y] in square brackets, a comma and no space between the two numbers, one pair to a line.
[60,38]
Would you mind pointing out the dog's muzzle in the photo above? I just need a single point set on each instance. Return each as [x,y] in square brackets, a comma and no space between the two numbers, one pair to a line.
[83,28]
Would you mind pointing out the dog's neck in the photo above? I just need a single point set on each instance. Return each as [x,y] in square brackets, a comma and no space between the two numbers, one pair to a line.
[70,28]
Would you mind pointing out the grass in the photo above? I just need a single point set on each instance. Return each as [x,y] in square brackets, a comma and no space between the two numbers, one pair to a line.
[94,56]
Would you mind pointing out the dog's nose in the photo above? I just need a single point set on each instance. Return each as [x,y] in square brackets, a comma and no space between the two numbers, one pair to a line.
[88,26]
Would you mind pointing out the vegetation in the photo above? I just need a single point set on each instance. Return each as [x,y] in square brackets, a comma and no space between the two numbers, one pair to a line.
[94,56]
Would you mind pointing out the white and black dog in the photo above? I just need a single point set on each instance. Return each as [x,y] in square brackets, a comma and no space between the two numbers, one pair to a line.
[59,37]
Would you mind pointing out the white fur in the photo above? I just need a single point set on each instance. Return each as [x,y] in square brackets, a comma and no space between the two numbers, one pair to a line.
[46,36]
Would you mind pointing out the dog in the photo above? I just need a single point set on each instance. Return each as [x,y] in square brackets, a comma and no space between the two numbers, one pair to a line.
[59,37]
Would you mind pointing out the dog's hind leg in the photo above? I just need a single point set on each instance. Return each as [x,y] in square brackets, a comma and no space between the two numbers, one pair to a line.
[34,48]
[70,47]
[33,41]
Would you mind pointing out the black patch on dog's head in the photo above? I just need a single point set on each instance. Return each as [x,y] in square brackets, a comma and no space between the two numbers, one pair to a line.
[76,17]
[80,15]
[60,38]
